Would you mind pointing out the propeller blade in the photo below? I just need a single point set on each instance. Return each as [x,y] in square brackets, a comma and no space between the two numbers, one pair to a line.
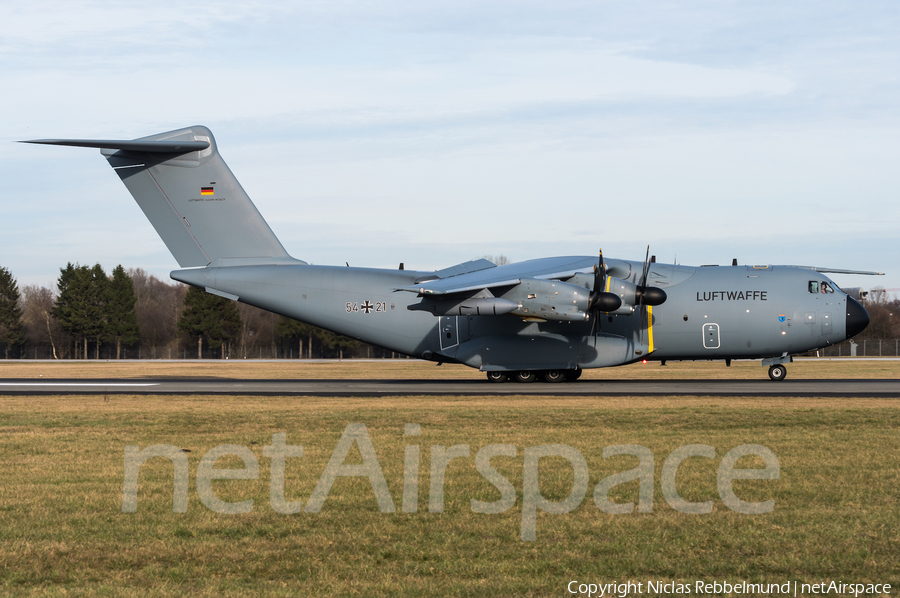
[642,292]
[649,295]
[599,275]
[599,279]
[600,300]
[602,272]
[646,269]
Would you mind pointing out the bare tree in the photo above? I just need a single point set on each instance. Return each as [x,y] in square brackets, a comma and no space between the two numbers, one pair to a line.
[884,317]
[500,260]
[41,327]
[158,306]
[257,330]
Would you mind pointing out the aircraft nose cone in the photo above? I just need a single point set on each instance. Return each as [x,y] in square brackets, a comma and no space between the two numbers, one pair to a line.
[857,317]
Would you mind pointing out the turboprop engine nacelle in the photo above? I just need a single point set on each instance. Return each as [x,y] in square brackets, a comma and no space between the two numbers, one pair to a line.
[550,300]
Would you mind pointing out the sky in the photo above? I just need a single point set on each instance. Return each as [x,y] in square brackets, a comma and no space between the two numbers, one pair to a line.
[432,133]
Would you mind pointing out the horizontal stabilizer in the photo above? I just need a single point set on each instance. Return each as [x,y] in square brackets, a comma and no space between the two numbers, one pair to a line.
[153,147]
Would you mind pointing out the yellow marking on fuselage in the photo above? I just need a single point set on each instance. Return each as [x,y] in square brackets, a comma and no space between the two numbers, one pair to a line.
[650,328]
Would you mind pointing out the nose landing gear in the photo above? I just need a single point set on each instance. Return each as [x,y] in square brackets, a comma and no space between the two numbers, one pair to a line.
[777,367]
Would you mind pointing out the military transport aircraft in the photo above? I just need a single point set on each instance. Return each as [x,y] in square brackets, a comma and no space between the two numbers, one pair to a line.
[544,318]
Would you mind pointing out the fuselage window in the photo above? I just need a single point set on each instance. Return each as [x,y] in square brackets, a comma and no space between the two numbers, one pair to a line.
[813,286]
[826,288]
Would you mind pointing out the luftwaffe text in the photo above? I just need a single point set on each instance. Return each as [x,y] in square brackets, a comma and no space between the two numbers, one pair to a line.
[732,296]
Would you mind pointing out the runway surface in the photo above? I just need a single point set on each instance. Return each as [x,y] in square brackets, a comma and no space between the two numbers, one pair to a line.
[376,388]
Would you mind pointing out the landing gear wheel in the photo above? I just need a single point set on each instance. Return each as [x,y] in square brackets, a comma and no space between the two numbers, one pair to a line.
[573,375]
[777,372]
[497,376]
[554,375]
[525,376]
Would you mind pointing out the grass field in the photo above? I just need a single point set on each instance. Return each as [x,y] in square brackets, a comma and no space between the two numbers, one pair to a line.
[415,369]
[63,532]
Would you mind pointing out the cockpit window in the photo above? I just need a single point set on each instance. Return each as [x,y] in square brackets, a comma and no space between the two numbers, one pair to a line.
[816,286]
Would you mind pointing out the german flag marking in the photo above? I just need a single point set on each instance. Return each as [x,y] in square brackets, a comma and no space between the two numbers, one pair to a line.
[206,191]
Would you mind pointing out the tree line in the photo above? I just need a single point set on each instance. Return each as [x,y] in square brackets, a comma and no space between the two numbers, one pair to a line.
[131,314]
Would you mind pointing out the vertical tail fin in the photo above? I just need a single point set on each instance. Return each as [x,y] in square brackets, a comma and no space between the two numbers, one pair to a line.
[191,198]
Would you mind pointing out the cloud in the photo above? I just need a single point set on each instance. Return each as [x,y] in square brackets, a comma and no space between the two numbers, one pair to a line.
[519,127]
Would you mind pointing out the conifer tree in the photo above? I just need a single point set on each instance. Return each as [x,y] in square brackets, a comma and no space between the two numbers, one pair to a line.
[210,316]
[69,307]
[290,329]
[98,294]
[121,319]
[80,304]
[336,343]
[12,331]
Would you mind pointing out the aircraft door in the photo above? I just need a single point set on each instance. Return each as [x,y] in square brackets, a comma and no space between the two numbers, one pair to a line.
[826,323]
[711,336]
[449,332]
[462,328]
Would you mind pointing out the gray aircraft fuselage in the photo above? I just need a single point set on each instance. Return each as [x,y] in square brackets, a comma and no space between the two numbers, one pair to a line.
[719,312]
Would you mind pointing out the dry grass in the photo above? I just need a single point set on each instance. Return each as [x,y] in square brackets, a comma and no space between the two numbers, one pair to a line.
[62,530]
[414,369]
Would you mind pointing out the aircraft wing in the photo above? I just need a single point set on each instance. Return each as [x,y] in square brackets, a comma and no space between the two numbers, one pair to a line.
[465,268]
[501,276]
[838,271]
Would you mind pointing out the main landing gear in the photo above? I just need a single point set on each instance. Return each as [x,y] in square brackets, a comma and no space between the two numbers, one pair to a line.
[777,372]
[532,375]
